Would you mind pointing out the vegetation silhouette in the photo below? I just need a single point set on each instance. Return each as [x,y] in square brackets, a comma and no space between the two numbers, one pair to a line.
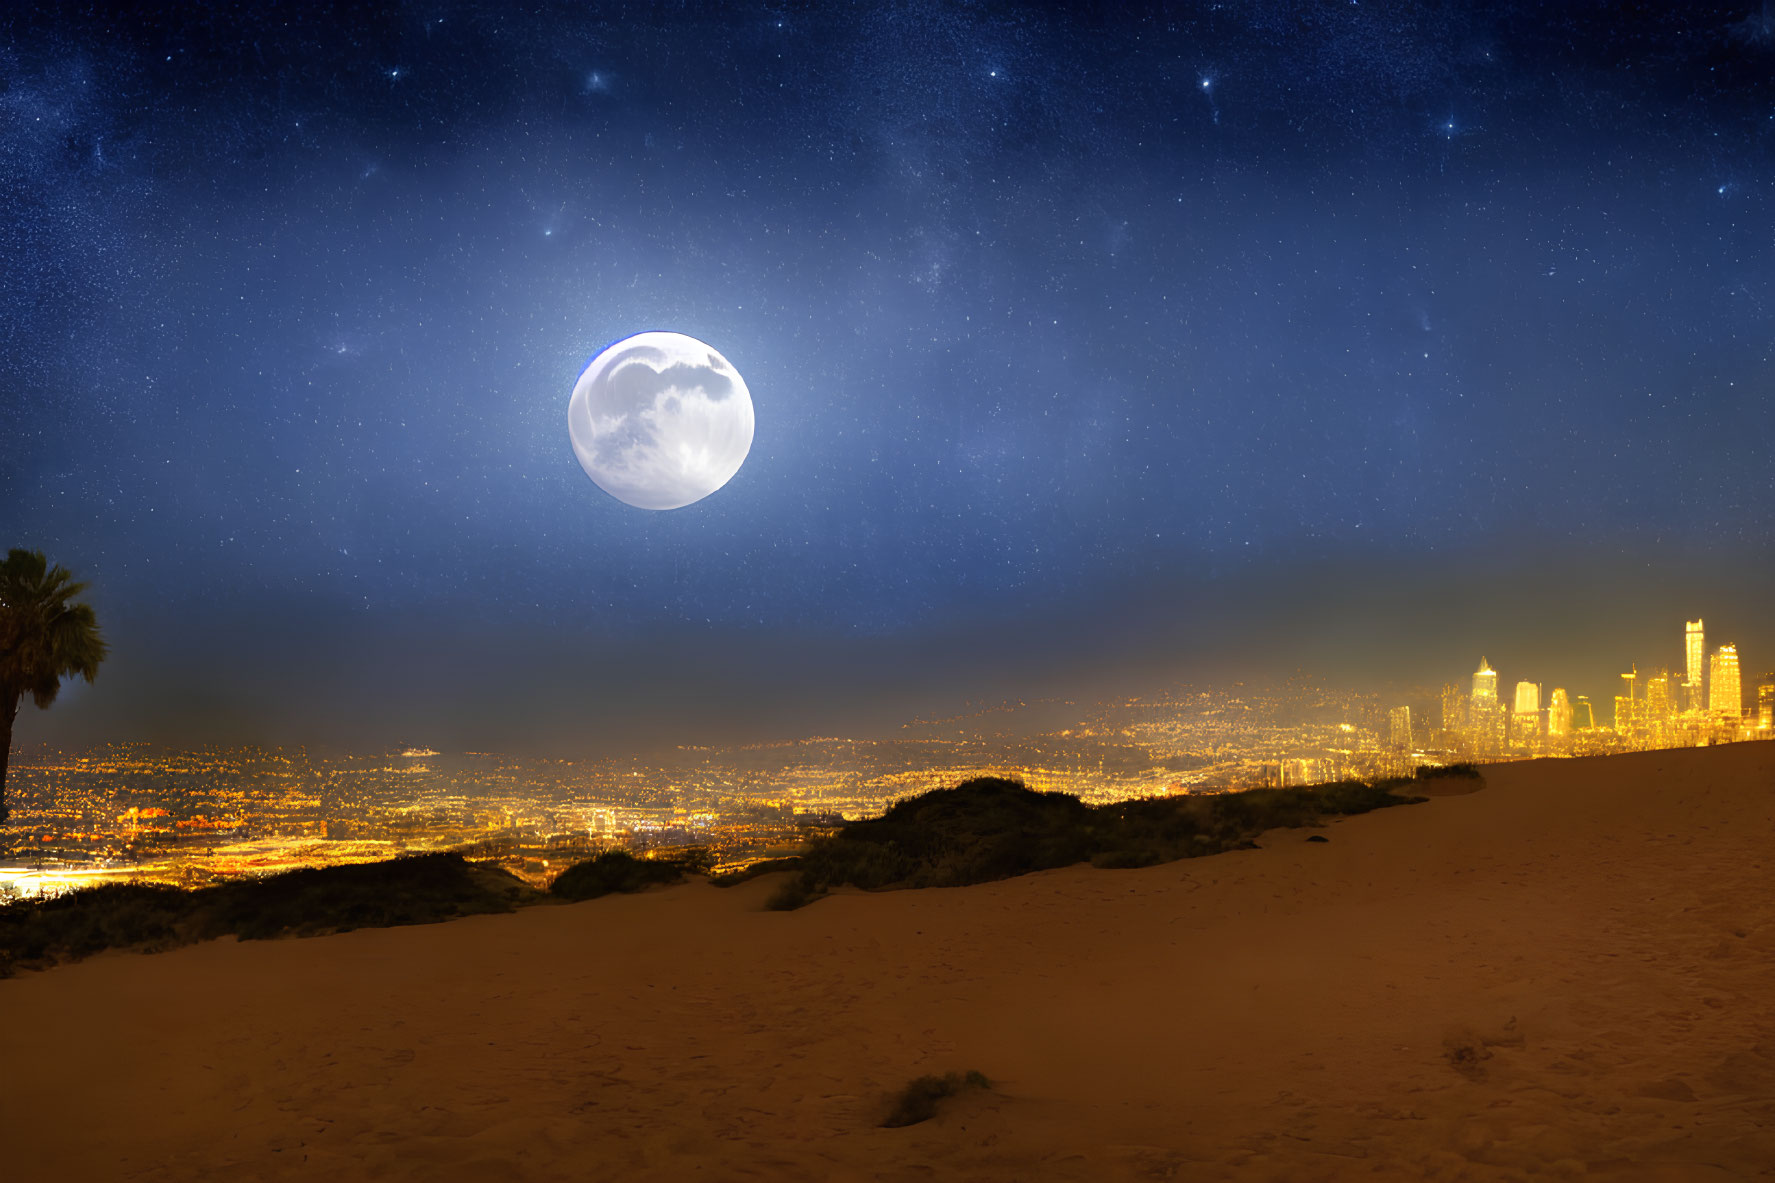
[44,637]
[918,1100]
[416,889]
[620,871]
[992,828]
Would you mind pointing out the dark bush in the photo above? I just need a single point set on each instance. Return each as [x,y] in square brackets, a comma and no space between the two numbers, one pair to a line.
[1431,771]
[419,889]
[84,922]
[991,828]
[919,1099]
[790,894]
[620,871]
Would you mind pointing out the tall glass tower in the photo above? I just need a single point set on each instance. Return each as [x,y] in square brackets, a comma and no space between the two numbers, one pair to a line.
[1695,671]
[1725,698]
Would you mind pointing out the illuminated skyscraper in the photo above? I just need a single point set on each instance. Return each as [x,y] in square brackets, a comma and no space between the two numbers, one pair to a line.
[1657,699]
[1559,713]
[1627,718]
[1583,716]
[1454,713]
[1725,698]
[1491,727]
[1694,672]
[1400,720]
[1488,720]
[1525,720]
[1485,681]
[1766,703]
[1655,709]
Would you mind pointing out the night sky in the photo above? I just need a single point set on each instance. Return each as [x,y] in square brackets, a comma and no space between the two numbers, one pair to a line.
[1090,354]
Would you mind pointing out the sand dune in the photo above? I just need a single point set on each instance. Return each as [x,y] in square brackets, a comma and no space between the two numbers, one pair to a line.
[1570,973]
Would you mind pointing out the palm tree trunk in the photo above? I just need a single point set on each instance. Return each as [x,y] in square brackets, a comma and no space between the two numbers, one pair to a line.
[8,712]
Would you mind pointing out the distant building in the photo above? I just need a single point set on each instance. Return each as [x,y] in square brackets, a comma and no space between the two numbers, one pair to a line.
[1399,731]
[1627,719]
[1304,771]
[1489,725]
[1766,703]
[1485,681]
[1725,697]
[1525,728]
[1559,713]
[1583,715]
[1525,720]
[1657,699]
[1454,713]
[1694,671]
[1488,720]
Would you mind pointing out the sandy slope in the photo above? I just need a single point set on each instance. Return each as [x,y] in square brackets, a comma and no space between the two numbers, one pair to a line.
[1569,973]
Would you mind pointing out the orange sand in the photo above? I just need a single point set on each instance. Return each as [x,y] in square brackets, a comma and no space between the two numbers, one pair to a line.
[1568,973]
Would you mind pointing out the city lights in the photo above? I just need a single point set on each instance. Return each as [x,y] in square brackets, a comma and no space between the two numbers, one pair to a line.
[190,818]
[1646,715]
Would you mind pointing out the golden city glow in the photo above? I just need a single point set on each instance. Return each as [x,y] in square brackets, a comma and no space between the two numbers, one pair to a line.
[191,818]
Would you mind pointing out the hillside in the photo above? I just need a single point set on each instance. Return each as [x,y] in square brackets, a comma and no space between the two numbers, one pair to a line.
[1569,972]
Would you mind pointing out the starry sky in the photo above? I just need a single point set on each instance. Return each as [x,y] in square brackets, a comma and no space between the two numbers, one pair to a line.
[1091,352]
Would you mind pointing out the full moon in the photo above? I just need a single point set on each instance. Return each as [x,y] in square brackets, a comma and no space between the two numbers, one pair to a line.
[660,420]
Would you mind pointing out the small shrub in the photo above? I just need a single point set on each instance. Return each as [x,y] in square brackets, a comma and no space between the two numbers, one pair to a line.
[791,894]
[1466,770]
[918,1101]
[620,871]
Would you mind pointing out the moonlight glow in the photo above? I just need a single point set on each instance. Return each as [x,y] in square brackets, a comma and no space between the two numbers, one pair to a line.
[660,420]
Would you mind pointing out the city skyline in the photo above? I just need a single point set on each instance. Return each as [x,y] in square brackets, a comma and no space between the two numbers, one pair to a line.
[195,816]
[1479,724]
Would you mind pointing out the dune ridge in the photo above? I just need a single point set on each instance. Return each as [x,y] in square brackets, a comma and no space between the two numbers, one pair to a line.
[1569,973]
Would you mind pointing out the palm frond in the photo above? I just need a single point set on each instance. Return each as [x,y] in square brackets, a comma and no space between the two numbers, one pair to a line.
[44,635]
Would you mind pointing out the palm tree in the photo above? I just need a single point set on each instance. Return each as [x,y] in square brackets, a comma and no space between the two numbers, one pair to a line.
[43,639]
